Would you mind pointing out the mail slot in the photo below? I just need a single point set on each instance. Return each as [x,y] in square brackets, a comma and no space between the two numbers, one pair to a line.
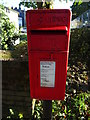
[48,34]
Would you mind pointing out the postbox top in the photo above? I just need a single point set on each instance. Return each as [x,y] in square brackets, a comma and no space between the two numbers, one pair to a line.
[50,10]
[48,18]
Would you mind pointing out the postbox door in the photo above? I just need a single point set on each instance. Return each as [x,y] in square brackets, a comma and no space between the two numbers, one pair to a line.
[45,85]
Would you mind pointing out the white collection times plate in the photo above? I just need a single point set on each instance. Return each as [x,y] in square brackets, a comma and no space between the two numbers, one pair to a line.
[47,73]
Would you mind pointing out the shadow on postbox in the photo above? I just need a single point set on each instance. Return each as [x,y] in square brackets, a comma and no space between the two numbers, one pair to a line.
[48,34]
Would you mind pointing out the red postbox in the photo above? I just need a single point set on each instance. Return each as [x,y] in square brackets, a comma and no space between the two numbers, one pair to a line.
[48,33]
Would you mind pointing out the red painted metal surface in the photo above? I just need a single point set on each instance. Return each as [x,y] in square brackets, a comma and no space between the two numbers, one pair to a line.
[48,34]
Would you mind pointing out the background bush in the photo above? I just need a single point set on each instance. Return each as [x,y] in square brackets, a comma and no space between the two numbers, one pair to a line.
[80,46]
[20,51]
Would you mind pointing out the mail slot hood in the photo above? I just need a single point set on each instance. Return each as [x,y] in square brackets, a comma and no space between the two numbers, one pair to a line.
[58,28]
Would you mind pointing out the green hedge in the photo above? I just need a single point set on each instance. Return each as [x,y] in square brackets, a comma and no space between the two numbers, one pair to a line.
[20,51]
[80,46]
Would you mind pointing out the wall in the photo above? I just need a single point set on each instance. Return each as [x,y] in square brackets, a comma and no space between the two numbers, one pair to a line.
[15,88]
[13,16]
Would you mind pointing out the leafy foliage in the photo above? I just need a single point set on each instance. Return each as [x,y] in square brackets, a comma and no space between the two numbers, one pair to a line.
[13,115]
[38,110]
[35,5]
[8,32]
[1,16]
[80,46]
[23,37]
[73,107]
[29,4]
[20,51]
